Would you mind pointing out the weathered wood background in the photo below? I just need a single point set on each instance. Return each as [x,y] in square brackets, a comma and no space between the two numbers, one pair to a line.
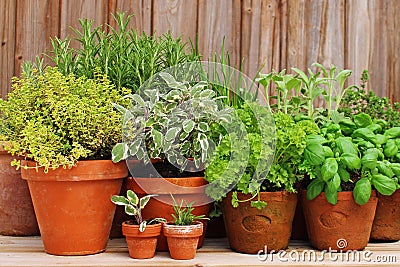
[275,34]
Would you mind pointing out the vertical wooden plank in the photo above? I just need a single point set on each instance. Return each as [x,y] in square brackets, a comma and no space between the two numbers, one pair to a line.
[141,9]
[273,23]
[7,43]
[177,16]
[359,32]
[250,36]
[332,33]
[394,35]
[218,20]
[73,10]
[37,22]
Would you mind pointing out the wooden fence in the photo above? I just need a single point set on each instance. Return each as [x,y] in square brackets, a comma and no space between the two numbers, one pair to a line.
[275,34]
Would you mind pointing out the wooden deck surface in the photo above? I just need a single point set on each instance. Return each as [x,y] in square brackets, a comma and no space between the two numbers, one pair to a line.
[28,251]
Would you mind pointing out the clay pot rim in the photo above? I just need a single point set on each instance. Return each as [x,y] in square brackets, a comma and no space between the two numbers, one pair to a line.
[344,195]
[93,170]
[272,196]
[132,230]
[193,230]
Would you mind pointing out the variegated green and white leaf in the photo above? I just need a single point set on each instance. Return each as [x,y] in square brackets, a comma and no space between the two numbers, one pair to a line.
[132,197]
[120,200]
[142,226]
[131,210]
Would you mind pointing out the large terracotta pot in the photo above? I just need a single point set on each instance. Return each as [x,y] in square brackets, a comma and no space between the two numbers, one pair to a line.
[344,226]
[160,206]
[250,229]
[141,245]
[386,224]
[17,216]
[183,239]
[73,206]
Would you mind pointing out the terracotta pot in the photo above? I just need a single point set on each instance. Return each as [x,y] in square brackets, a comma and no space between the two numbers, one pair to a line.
[188,191]
[17,216]
[386,224]
[73,206]
[183,239]
[250,229]
[299,227]
[141,245]
[344,226]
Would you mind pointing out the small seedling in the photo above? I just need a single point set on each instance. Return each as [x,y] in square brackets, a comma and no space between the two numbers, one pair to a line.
[183,213]
[133,206]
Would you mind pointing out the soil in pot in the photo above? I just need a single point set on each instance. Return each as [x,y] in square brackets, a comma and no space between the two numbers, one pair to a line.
[73,206]
[250,229]
[344,226]
[386,224]
[17,216]
[183,239]
[141,245]
[190,189]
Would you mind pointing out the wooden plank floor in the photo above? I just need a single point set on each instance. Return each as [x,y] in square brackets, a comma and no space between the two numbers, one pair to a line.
[28,251]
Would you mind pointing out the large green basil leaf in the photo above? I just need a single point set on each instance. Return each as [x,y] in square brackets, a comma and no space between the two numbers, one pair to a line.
[347,126]
[351,161]
[392,132]
[315,188]
[329,168]
[314,154]
[385,185]
[313,138]
[362,191]
[362,120]
[384,168]
[328,152]
[370,159]
[390,149]
[346,145]
[375,128]
[395,168]
[344,174]
[365,134]
[331,192]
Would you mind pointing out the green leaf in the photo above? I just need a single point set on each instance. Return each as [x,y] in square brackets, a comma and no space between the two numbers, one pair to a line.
[132,197]
[202,126]
[344,174]
[365,134]
[134,147]
[328,153]
[390,149]
[331,192]
[393,132]
[157,138]
[346,145]
[351,161]
[119,152]
[385,185]
[329,168]
[362,120]
[119,200]
[137,98]
[314,154]
[315,188]
[362,191]
[144,200]
[131,210]
[188,126]
[347,126]
[142,226]
[369,160]
[336,181]
[171,134]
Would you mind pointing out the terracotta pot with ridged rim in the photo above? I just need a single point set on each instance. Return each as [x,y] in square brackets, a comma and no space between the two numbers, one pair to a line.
[344,226]
[250,229]
[141,245]
[17,217]
[386,224]
[183,239]
[190,190]
[73,206]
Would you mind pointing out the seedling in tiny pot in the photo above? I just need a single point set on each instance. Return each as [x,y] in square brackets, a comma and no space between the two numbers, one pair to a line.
[133,206]
[183,214]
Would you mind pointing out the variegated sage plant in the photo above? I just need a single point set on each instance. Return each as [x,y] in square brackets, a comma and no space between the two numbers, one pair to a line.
[171,119]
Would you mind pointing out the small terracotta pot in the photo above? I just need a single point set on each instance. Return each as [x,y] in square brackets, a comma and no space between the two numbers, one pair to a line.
[250,229]
[141,245]
[73,206]
[386,224]
[183,239]
[17,216]
[344,226]
[188,191]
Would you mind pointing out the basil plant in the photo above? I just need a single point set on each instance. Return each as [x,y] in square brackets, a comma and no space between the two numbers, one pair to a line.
[352,154]
[171,119]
